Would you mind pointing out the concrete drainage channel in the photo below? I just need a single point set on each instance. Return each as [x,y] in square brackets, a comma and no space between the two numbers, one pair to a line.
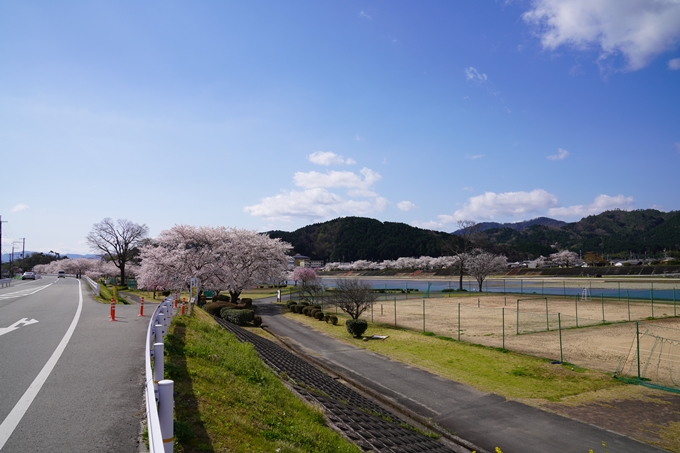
[366,423]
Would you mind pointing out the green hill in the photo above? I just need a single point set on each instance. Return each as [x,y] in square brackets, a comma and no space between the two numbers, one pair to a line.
[360,238]
[613,233]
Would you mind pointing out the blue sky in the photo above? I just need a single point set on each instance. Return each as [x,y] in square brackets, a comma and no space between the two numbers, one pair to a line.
[274,115]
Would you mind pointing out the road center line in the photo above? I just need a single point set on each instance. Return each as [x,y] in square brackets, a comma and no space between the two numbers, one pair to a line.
[12,420]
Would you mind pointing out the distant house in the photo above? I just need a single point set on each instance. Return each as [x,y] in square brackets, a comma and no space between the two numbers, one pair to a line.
[301,261]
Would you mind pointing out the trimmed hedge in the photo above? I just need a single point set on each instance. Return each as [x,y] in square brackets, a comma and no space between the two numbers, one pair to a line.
[333,320]
[236,316]
[356,327]
[318,315]
[257,321]
[213,308]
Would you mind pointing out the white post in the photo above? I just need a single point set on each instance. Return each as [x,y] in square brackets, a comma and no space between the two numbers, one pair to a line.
[166,405]
[160,331]
[158,367]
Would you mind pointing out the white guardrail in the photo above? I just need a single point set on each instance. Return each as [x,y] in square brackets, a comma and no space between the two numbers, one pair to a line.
[5,282]
[159,391]
[94,285]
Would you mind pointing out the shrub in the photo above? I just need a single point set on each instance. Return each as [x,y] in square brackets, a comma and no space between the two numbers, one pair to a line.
[166,293]
[292,308]
[305,310]
[290,302]
[312,313]
[298,308]
[317,306]
[356,327]
[318,315]
[201,301]
[304,304]
[213,308]
[223,298]
[236,316]
[257,321]
[334,320]
[247,302]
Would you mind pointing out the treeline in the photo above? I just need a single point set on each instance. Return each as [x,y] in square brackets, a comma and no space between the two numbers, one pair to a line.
[614,234]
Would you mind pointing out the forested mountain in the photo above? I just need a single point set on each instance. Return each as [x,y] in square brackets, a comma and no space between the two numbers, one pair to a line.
[360,238]
[614,233]
[545,221]
[611,233]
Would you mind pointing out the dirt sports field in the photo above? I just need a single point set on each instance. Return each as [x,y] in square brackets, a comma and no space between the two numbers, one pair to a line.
[609,347]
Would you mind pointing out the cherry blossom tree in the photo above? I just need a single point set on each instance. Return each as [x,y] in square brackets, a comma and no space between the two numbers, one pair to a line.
[481,264]
[221,258]
[310,286]
[565,258]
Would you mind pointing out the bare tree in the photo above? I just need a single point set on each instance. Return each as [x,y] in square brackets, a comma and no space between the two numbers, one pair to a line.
[117,241]
[352,296]
[481,264]
[466,231]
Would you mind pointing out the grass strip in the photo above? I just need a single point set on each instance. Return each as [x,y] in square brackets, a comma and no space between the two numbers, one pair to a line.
[228,400]
[505,373]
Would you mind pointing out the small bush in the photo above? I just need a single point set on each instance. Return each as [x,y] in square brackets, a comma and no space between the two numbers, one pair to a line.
[312,313]
[223,298]
[304,304]
[318,315]
[334,320]
[356,327]
[298,308]
[290,302]
[317,306]
[166,293]
[213,308]
[305,310]
[236,316]
[247,302]
[201,301]
[257,321]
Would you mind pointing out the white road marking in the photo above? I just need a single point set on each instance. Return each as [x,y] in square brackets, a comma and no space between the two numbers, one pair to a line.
[12,420]
[24,292]
[16,325]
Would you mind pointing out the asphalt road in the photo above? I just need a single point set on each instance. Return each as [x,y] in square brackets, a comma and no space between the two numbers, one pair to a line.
[72,381]
[484,419]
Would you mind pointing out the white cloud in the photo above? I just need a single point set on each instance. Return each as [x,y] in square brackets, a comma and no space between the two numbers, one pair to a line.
[474,156]
[406,205]
[329,158]
[600,204]
[561,154]
[337,179]
[637,29]
[319,197]
[472,74]
[317,203]
[20,207]
[674,64]
[365,15]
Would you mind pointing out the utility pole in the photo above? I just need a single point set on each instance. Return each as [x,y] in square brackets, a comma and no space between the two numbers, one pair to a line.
[1,222]
[23,248]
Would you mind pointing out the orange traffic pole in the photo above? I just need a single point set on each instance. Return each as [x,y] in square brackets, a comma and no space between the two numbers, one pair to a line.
[184,300]
[175,302]
[141,307]
[113,309]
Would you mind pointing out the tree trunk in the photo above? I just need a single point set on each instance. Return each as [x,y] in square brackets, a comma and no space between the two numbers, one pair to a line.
[481,282]
[460,283]
[234,295]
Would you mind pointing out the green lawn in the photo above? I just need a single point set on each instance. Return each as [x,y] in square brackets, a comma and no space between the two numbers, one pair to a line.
[488,369]
[228,400]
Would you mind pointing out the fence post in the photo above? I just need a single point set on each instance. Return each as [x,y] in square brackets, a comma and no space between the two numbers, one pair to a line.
[165,413]
[628,300]
[559,327]
[564,288]
[602,301]
[576,306]
[505,300]
[637,343]
[652,304]
[517,322]
[547,318]
[619,283]
[423,315]
[459,322]
[503,331]
[675,313]
[371,312]
[395,309]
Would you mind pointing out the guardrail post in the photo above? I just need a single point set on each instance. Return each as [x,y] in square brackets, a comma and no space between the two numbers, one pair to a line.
[160,332]
[166,405]
[158,365]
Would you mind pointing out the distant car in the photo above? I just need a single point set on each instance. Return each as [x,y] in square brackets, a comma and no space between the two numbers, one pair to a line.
[61,274]
[28,276]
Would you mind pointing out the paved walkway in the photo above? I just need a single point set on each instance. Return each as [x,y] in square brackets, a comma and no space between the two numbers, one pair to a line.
[484,419]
